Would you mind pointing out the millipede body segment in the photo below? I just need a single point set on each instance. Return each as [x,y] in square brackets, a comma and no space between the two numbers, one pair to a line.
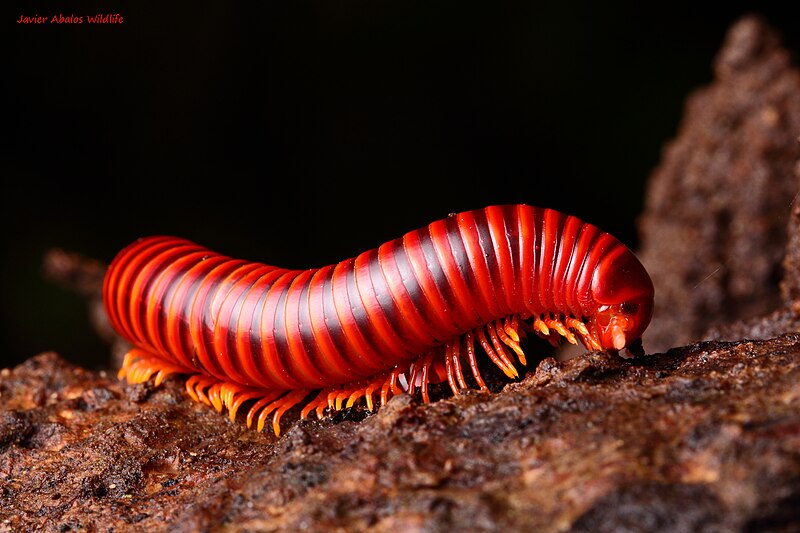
[414,311]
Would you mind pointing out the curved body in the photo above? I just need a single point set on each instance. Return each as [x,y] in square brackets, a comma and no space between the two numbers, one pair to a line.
[264,327]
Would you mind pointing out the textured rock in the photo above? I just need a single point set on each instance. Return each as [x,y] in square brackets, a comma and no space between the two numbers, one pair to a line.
[717,207]
[705,437]
[790,285]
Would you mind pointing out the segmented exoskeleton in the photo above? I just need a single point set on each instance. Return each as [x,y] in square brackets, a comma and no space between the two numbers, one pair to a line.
[400,316]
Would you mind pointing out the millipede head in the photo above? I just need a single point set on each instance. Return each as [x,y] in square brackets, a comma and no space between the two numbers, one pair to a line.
[624,293]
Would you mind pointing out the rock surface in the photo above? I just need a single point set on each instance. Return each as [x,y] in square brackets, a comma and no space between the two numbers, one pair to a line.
[717,207]
[790,286]
[705,437]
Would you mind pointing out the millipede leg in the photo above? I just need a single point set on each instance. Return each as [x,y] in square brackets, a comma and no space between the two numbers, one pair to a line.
[284,404]
[589,340]
[427,362]
[412,376]
[238,400]
[265,400]
[390,386]
[456,356]
[498,345]
[509,340]
[344,397]
[448,363]
[556,325]
[371,388]
[196,386]
[139,366]
[320,400]
[214,396]
[473,362]
[505,366]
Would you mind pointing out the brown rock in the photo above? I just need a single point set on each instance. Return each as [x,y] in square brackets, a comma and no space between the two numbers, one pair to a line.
[790,285]
[717,207]
[700,438]
[768,326]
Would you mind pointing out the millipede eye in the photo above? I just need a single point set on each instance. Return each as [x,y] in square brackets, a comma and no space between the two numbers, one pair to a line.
[629,308]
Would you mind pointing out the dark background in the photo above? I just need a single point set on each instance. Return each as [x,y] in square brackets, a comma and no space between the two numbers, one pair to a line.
[302,133]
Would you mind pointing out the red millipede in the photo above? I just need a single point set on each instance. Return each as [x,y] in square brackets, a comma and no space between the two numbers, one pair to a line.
[398,317]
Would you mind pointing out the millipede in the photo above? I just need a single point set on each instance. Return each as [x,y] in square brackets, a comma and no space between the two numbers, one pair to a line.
[417,310]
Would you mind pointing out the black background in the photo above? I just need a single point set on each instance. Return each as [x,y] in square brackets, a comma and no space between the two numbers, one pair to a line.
[302,133]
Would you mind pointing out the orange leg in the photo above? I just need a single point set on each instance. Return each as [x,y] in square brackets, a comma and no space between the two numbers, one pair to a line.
[139,366]
[444,363]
